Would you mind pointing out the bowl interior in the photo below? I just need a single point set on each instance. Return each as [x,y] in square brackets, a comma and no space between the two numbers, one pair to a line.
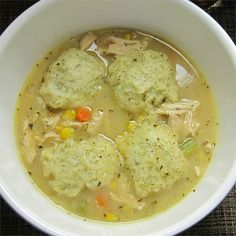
[178,21]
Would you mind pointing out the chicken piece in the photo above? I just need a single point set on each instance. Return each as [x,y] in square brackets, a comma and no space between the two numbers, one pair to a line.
[178,125]
[119,46]
[180,116]
[29,144]
[128,199]
[178,108]
[49,135]
[50,121]
[74,124]
[95,122]
[52,135]
[123,194]
[208,146]
[87,41]
[192,125]
[197,170]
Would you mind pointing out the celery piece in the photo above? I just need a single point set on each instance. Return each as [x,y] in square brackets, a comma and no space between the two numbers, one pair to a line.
[189,145]
[82,208]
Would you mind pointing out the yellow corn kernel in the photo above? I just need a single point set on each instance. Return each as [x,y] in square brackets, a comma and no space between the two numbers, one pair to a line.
[69,114]
[110,217]
[131,126]
[113,185]
[67,133]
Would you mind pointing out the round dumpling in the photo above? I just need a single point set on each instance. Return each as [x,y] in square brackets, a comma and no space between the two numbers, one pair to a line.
[142,80]
[152,155]
[74,79]
[93,162]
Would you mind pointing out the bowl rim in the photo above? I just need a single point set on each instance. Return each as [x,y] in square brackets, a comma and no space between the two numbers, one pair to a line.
[204,209]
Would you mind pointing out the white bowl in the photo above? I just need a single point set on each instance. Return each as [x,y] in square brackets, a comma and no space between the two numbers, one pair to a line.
[180,22]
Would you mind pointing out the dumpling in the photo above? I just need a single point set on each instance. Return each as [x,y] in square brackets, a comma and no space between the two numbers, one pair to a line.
[152,155]
[74,79]
[92,162]
[142,80]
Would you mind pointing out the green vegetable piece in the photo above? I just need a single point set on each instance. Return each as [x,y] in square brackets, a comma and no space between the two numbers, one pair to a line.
[189,145]
[82,209]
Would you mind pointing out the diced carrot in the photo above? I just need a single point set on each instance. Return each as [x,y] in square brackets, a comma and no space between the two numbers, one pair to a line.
[83,114]
[101,200]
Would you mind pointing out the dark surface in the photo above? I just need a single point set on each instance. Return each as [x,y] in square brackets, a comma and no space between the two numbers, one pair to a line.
[222,221]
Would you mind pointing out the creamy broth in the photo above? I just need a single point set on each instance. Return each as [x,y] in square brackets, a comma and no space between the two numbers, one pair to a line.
[31,112]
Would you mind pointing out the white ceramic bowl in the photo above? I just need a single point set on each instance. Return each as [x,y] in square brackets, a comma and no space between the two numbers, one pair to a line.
[180,22]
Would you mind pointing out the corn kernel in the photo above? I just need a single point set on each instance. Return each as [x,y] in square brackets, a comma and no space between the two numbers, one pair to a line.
[69,114]
[113,185]
[131,126]
[67,133]
[110,217]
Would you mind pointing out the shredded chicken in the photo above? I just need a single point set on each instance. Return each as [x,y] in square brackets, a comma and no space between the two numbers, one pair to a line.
[192,125]
[128,199]
[29,146]
[53,135]
[29,143]
[51,121]
[180,116]
[74,124]
[87,41]
[25,125]
[27,122]
[49,135]
[178,125]
[95,122]
[208,147]
[178,108]
[197,170]
[119,46]
[123,194]
[40,103]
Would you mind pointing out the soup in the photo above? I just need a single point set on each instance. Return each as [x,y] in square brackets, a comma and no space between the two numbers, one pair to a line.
[115,125]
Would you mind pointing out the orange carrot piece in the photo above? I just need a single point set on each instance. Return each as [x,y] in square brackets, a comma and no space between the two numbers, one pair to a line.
[83,114]
[101,200]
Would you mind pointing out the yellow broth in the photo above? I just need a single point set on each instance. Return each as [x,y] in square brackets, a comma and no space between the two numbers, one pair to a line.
[115,122]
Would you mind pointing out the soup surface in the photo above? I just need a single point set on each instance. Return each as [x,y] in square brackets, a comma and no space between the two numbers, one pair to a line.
[115,125]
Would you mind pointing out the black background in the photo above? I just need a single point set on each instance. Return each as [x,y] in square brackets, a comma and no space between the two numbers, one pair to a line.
[222,221]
